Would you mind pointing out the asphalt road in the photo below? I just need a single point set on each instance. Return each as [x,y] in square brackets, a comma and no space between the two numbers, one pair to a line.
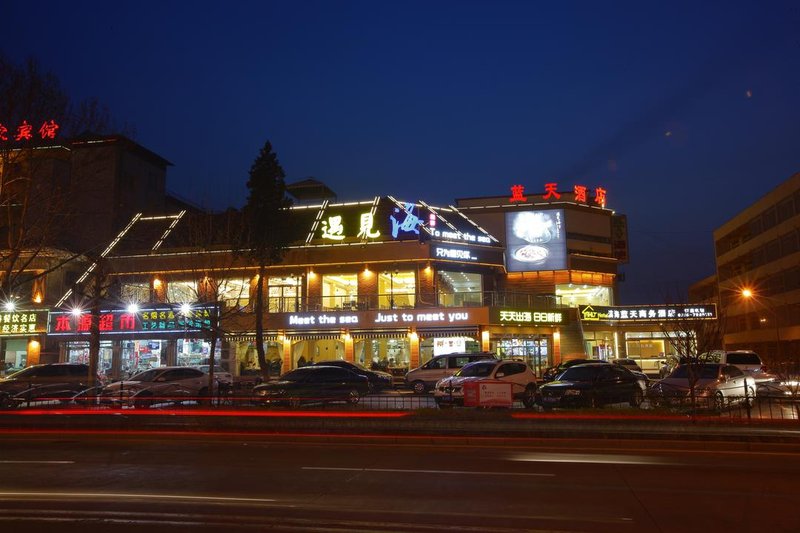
[168,482]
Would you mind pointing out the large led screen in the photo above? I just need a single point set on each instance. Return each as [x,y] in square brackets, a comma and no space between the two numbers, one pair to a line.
[536,240]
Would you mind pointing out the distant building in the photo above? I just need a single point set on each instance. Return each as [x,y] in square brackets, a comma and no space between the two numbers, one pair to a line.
[757,282]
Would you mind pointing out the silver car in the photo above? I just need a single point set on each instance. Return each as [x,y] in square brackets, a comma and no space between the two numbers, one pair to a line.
[450,390]
[157,385]
[715,386]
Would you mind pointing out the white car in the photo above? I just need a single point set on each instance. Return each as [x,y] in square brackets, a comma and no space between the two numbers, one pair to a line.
[715,386]
[222,377]
[157,385]
[450,390]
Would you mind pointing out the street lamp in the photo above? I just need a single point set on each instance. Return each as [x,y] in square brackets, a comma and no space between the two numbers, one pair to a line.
[748,294]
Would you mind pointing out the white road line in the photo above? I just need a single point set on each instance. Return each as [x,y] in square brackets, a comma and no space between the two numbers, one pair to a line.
[394,471]
[109,495]
[592,459]
[9,462]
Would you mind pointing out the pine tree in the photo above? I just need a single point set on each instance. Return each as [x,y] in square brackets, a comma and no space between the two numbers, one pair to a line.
[268,230]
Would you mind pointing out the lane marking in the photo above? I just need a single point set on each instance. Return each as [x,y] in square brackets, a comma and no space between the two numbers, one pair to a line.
[11,462]
[400,471]
[585,458]
[110,495]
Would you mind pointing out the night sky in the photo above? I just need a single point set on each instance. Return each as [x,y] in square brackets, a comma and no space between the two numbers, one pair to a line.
[685,112]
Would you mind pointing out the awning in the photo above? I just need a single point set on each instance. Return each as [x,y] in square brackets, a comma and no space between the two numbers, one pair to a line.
[380,334]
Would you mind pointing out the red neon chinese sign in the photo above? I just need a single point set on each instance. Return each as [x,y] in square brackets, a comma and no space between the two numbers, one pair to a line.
[24,132]
[580,194]
[518,194]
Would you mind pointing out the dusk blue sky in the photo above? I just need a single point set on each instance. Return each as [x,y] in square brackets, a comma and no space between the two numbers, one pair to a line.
[685,112]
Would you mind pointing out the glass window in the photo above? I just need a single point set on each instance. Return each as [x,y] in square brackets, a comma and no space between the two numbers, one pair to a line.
[459,289]
[284,294]
[134,293]
[193,352]
[436,364]
[572,294]
[234,292]
[181,291]
[340,291]
[141,355]
[396,289]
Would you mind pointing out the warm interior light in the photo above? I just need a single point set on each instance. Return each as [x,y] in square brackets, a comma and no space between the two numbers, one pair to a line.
[747,293]
[156,283]
[37,298]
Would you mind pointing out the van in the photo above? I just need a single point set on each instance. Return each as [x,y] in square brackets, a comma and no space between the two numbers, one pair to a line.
[747,361]
[425,377]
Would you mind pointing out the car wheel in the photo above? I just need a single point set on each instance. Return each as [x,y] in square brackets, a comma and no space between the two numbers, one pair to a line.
[719,401]
[418,387]
[353,397]
[529,396]
[5,402]
[636,398]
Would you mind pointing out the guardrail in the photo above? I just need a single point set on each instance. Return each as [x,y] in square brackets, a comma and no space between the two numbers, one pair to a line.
[765,408]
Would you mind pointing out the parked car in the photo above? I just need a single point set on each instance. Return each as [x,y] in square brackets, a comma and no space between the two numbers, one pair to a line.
[450,390]
[747,361]
[715,386]
[378,380]
[163,384]
[38,382]
[313,384]
[425,377]
[222,377]
[592,385]
[550,373]
[630,364]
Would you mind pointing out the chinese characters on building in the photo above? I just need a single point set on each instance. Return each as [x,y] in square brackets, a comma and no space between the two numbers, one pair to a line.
[580,194]
[530,317]
[653,313]
[20,323]
[24,131]
[163,320]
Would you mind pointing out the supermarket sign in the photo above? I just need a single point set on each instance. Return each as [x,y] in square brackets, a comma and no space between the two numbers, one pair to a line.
[152,320]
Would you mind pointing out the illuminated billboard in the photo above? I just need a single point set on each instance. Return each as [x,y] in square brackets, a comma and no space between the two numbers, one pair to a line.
[536,240]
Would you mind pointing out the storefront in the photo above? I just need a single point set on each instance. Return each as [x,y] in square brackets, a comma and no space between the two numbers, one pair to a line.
[21,338]
[648,334]
[131,342]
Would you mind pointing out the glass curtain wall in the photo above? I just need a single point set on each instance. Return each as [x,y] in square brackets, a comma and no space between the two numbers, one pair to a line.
[459,289]
[284,294]
[397,289]
[339,291]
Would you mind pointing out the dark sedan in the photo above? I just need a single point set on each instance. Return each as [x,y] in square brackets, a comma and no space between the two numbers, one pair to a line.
[592,385]
[550,373]
[313,384]
[378,381]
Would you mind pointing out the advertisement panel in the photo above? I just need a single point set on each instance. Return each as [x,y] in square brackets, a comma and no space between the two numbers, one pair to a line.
[647,313]
[536,240]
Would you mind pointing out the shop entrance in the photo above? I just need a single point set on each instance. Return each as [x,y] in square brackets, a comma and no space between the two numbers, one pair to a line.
[533,349]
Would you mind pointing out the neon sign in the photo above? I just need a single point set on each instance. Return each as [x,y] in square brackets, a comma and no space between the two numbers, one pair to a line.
[23,322]
[333,228]
[24,132]
[519,316]
[453,253]
[164,320]
[410,222]
[649,313]
[580,194]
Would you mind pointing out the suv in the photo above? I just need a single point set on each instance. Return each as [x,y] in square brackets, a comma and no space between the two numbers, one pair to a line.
[441,366]
[450,390]
[550,373]
[747,361]
[38,382]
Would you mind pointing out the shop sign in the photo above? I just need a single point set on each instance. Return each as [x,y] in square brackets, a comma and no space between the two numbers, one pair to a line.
[24,131]
[363,319]
[157,320]
[450,235]
[405,220]
[333,228]
[526,316]
[455,254]
[23,322]
[580,193]
[647,313]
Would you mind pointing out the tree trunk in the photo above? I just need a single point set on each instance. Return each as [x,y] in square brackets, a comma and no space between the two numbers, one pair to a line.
[259,311]
[94,329]
[212,361]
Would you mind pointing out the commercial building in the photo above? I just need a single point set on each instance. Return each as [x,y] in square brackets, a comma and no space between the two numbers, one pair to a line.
[757,278]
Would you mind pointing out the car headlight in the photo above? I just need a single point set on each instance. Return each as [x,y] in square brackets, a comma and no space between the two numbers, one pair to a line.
[572,392]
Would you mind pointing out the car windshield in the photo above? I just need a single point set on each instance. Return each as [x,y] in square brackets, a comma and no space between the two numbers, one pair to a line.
[476,370]
[147,375]
[578,373]
[704,372]
[744,359]
[296,375]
